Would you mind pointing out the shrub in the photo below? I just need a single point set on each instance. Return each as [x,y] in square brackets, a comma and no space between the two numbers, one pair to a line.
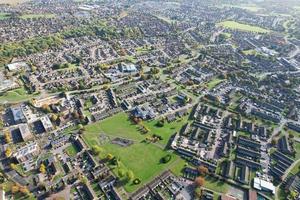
[166,158]
[136,181]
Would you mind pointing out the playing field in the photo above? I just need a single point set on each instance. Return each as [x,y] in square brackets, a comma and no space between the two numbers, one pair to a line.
[33,16]
[142,158]
[16,95]
[4,15]
[242,27]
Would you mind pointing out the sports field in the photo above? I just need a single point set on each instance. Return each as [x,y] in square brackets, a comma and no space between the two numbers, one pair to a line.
[242,27]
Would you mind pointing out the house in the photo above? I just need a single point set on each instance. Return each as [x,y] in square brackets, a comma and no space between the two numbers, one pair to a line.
[263,185]
[284,145]
[171,117]
[293,183]
[143,112]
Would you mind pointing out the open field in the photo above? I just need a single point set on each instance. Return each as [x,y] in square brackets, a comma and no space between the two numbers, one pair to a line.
[242,27]
[4,15]
[142,158]
[16,95]
[213,83]
[120,126]
[249,7]
[33,16]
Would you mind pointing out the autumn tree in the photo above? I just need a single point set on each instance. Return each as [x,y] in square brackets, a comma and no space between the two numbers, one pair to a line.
[15,189]
[109,156]
[202,170]
[42,168]
[13,166]
[96,150]
[199,181]
[8,152]
[7,137]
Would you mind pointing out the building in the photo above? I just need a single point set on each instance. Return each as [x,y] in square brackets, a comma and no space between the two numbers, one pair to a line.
[143,112]
[27,152]
[16,66]
[18,115]
[128,68]
[263,185]
[25,132]
[46,122]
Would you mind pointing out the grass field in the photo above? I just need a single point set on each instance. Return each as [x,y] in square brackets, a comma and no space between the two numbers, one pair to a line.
[4,15]
[71,150]
[249,7]
[142,158]
[213,83]
[120,126]
[242,27]
[216,185]
[33,16]
[16,95]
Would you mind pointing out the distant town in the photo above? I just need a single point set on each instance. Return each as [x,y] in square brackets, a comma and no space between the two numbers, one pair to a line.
[150,100]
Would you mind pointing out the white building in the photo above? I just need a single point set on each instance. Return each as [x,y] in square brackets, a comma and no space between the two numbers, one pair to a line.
[46,123]
[261,184]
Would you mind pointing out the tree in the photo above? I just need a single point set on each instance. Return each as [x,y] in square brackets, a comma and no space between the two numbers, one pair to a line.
[129,175]
[199,181]
[8,152]
[7,137]
[274,142]
[24,190]
[96,150]
[121,173]
[43,168]
[46,108]
[13,166]
[203,170]
[54,117]
[15,189]
[109,156]
[198,192]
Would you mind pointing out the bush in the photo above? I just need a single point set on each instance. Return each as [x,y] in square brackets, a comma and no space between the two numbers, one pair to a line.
[166,158]
[136,181]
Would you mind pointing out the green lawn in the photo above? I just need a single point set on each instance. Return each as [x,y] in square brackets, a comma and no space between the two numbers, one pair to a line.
[216,185]
[250,7]
[34,16]
[71,150]
[213,83]
[142,158]
[120,126]
[16,95]
[297,149]
[242,27]
[4,15]
[117,126]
